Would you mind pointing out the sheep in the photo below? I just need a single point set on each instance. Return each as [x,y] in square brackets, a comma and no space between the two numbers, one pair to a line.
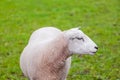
[48,53]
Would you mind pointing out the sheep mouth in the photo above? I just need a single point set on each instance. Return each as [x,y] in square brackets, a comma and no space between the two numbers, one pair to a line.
[92,53]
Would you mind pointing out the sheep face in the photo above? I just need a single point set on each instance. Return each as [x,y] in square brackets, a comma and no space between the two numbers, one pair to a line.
[79,43]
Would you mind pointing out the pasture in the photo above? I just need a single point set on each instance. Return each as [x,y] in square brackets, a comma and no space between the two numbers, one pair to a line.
[99,19]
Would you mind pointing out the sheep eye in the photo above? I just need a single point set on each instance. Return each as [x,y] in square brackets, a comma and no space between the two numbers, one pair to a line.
[77,38]
[80,38]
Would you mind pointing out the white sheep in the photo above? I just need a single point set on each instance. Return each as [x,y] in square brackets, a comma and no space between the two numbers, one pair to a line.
[48,53]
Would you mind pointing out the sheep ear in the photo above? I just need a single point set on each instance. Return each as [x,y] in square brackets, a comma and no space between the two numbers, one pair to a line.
[78,27]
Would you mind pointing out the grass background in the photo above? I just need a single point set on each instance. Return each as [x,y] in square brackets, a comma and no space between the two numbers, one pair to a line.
[99,19]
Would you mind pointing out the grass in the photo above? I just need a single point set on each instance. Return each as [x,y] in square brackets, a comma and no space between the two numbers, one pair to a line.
[99,19]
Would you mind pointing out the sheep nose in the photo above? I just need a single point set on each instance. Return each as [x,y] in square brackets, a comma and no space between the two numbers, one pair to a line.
[96,47]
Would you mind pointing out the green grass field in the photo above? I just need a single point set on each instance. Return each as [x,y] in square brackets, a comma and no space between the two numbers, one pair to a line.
[99,19]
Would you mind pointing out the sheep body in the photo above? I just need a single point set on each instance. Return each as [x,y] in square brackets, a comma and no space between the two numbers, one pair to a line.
[33,58]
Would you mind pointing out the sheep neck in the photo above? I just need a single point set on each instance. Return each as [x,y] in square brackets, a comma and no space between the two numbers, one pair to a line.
[59,54]
[55,61]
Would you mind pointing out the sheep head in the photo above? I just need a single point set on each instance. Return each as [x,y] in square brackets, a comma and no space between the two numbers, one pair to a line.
[79,43]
